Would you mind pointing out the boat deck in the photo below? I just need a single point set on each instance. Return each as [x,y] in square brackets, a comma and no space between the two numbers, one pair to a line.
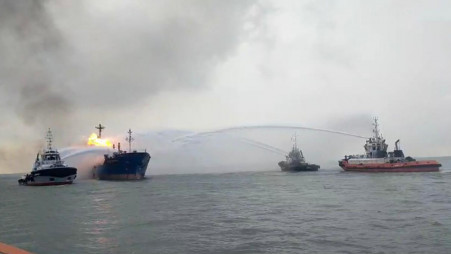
[8,249]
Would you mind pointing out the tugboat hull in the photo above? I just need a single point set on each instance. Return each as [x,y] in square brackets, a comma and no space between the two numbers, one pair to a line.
[298,167]
[396,167]
[51,176]
[45,182]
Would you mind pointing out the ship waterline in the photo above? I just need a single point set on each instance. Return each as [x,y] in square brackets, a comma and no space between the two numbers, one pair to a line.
[416,166]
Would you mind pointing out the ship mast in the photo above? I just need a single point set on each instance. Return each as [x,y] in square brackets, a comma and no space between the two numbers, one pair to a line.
[294,138]
[295,149]
[375,146]
[100,128]
[129,139]
[376,128]
[49,140]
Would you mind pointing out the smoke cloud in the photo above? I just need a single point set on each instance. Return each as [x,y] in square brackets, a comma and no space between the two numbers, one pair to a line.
[32,53]
[196,65]
[60,60]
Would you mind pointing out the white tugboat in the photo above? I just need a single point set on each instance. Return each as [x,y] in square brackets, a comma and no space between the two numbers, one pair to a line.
[49,169]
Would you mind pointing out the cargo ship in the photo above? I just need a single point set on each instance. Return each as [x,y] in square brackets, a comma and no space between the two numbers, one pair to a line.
[49,169]
[123,165]
[376,158]
[295,161]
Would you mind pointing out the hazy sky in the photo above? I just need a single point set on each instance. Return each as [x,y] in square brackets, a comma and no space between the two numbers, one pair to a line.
[202,65]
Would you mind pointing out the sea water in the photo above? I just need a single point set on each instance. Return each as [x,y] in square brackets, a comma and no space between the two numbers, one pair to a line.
[328,211]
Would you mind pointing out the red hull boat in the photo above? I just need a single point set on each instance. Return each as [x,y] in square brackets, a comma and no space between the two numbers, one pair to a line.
[377,159]
[415,166]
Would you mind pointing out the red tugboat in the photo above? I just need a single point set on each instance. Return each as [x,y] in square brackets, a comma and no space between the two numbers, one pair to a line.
[377,159]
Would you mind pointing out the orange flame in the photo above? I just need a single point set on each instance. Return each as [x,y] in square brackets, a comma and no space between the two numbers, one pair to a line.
[94,141]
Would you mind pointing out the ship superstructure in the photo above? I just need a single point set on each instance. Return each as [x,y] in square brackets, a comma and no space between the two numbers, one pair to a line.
[49,169]
[377,159]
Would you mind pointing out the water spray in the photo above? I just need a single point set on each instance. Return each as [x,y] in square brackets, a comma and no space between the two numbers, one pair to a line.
[239,128]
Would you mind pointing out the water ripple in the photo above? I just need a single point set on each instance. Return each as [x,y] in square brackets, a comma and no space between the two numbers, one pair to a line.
[269,212]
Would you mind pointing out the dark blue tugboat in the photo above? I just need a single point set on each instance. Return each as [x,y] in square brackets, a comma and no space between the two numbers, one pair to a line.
[123,165]
[295,161]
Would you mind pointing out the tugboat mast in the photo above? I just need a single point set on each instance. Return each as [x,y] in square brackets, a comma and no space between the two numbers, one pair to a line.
[129,139]
[100,128]
[376,128]
[49,140]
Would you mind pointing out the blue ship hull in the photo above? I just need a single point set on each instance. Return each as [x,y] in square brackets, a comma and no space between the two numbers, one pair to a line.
[123,166]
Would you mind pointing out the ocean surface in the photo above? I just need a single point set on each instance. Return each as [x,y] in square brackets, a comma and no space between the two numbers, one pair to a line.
[329,211]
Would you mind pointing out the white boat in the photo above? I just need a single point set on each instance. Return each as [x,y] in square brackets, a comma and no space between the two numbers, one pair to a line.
[49,169]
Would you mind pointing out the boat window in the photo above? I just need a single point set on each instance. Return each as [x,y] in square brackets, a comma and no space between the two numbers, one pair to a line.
[52,179]
[69,178]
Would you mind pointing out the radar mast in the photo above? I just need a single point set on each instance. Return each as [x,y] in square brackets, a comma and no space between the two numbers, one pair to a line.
[129,139]
[376,128]
[49,137]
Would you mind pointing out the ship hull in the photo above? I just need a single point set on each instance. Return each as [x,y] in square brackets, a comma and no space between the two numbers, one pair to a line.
[47,182]
[48,177]
[300,167]
[124,166]
[396,167]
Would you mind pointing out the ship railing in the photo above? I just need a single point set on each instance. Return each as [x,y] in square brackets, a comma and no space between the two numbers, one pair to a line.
[133,151]
[360,156]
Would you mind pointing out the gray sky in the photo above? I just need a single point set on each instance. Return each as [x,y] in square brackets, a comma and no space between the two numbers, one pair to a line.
[203,65]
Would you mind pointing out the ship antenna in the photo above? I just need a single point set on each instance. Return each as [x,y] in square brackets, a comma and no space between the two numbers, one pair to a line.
[49,139]
[376,128]
[294,138]
[129,139]
[100,128]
